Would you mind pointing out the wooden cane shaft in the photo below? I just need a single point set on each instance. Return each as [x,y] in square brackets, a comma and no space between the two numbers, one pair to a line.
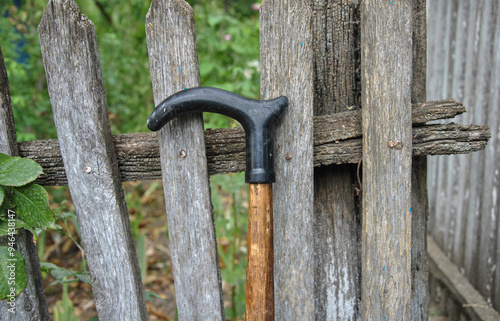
[259,303]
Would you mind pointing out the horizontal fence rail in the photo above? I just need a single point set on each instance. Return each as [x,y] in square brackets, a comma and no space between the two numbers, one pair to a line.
[94,163]
[337,140]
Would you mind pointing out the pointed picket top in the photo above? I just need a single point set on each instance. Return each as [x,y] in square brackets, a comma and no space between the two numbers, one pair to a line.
[78,98]
[173,59]
[286,69]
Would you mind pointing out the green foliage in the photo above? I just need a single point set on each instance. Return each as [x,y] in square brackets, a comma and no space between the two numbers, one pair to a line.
[228,44]
[63,275]
[17,171]
[22,204]
[228,54]
[63,309]
[29,200]
[231,222]
[23,59]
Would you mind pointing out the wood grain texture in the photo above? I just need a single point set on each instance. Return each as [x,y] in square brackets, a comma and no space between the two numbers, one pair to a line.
[448,273]
[76,90]
[259,302]
[386,69]
[8,140]
[419,198]
[464,189]
[173,59]
[286,69]
[337,225]
[139,156]
[31,303]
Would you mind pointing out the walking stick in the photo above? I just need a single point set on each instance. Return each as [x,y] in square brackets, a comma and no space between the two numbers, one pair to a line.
[257,118]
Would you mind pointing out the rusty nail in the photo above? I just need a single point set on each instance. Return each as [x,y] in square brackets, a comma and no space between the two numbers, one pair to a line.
[183,153]
[288,156]
[88,169]
[390,144]
[398,144]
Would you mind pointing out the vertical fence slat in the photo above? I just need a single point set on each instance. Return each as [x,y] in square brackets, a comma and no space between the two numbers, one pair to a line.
[494,206]
[458,89]
[286,69]
[77,94]
[31,303]
[471,242]
[472,231]
[419,198]
[386,69]
[488,108]
[173,58]
[337,229]
[8,140]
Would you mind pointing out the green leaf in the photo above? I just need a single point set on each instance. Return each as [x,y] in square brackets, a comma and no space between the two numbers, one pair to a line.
[4,157]
[13,278]
[84,277]
[2,194]
[93,319]
[17,171]
[61,274]
[5,225]
[57,272]
[32,206]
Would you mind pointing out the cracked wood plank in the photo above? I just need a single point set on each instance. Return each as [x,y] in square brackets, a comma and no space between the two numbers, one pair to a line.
[287,69]
[139,157]
[173,60]
[31,303]
[77,94]
[386,78]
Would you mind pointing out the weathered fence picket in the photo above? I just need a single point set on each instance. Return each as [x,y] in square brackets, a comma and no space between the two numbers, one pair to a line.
[173,60]
[463,63]
[77,94]
[31,303]
[419,195]
[286,69]
[337,247]
[386,69]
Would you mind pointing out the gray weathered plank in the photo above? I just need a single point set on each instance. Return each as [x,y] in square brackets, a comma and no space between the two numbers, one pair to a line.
[77,94]
[446,272]
[336,141]
[465,222]
[31,303]
[419,198]
[337,228]
[489,212]
[386,76]
[173,59]
[8,140]
[286,69]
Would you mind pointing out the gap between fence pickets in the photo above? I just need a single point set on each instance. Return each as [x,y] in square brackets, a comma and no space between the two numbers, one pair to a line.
[446,272]
[337,140]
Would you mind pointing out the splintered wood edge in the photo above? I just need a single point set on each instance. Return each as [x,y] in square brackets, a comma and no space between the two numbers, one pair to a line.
[138,153]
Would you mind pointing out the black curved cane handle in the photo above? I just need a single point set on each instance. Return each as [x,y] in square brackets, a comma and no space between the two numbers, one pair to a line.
[256,116]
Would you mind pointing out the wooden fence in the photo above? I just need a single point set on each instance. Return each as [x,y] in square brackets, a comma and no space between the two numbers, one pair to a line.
[464,60]
[334,259]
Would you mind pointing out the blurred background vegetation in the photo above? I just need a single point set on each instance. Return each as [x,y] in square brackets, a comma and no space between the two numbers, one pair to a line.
[228,44]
